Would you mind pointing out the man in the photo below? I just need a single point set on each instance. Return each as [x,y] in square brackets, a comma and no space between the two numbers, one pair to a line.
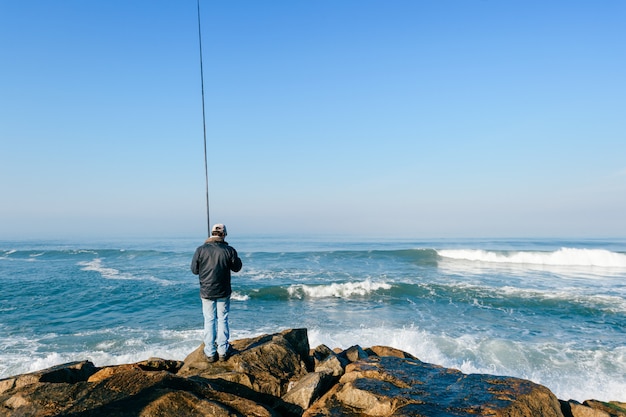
[213,262]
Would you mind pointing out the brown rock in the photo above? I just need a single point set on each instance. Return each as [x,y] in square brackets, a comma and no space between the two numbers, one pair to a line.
[184,404]
[327,361]
[158,364]
[132,392]
[332,365]
[391,386]
[320,353]
[353,354]
[109,371]
[152,364]
[388,351]
[575,409]
[266,363]
[309,388]
[613,408]
[69,372]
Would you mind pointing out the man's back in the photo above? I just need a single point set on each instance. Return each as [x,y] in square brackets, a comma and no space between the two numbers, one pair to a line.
[213,262]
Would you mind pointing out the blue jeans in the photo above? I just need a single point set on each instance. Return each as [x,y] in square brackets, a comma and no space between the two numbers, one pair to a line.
[216,332]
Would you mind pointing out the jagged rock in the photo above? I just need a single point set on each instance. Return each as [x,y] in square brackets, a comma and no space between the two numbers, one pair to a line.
[158,364]
[388,351]
[327,361]
[133,392]
[593,408]
[576,409]
[391,386]
[152,364]
[353,354]
[332,365]
[69,372]
[309,389]
[266,363]
[320,353]
[612,408]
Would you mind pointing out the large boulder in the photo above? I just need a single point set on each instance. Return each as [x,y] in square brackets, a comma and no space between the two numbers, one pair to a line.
[267,364]
[394,386]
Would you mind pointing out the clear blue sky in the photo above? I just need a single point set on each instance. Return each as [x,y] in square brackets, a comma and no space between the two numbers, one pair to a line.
[407,118]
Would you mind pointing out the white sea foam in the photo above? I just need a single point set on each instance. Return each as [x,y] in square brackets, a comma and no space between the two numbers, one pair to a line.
[568,372]
[607,303]
[120,346]
[236,296]
[108,273]
[344,290]
[292,275]
[562,257]
[114,274]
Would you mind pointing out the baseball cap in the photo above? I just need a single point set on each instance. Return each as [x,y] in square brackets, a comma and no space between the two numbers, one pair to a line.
[219,228]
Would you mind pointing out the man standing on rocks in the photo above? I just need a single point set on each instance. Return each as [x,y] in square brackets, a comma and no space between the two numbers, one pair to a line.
[213,262]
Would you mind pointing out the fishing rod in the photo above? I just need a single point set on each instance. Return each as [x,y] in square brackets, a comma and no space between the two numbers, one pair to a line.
[206,164]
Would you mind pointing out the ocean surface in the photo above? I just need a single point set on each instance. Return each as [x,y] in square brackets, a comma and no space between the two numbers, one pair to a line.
[552,311]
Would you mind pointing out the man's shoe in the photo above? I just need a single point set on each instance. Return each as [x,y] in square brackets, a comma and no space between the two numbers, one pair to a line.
[225,356]
[211,359]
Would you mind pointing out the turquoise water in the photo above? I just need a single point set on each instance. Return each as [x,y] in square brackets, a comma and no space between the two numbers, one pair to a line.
[550,311]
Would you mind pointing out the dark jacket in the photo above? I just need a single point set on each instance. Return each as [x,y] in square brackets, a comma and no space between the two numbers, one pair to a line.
[213,262]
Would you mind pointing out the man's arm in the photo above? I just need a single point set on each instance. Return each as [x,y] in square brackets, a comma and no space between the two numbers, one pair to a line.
[195,267]
[236,263]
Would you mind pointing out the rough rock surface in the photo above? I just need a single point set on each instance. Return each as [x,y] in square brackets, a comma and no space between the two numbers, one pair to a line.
[593,408]
[278,375]
[267,364]
[392,386]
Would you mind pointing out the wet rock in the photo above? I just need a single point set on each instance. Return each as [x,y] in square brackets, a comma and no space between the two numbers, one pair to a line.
[392,386]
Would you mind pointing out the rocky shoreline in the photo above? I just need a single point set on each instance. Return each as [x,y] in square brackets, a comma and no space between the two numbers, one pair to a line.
[279,375]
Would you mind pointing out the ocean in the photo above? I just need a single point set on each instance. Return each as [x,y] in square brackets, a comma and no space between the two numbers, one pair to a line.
[548,310]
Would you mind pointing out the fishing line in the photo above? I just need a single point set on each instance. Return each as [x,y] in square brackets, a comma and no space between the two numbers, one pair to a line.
[206,164]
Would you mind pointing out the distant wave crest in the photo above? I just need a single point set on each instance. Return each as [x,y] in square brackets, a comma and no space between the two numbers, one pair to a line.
[562,257]
[112,273]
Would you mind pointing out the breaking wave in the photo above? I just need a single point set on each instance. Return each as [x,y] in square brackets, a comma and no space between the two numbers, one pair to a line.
[343,290]
[562,257]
